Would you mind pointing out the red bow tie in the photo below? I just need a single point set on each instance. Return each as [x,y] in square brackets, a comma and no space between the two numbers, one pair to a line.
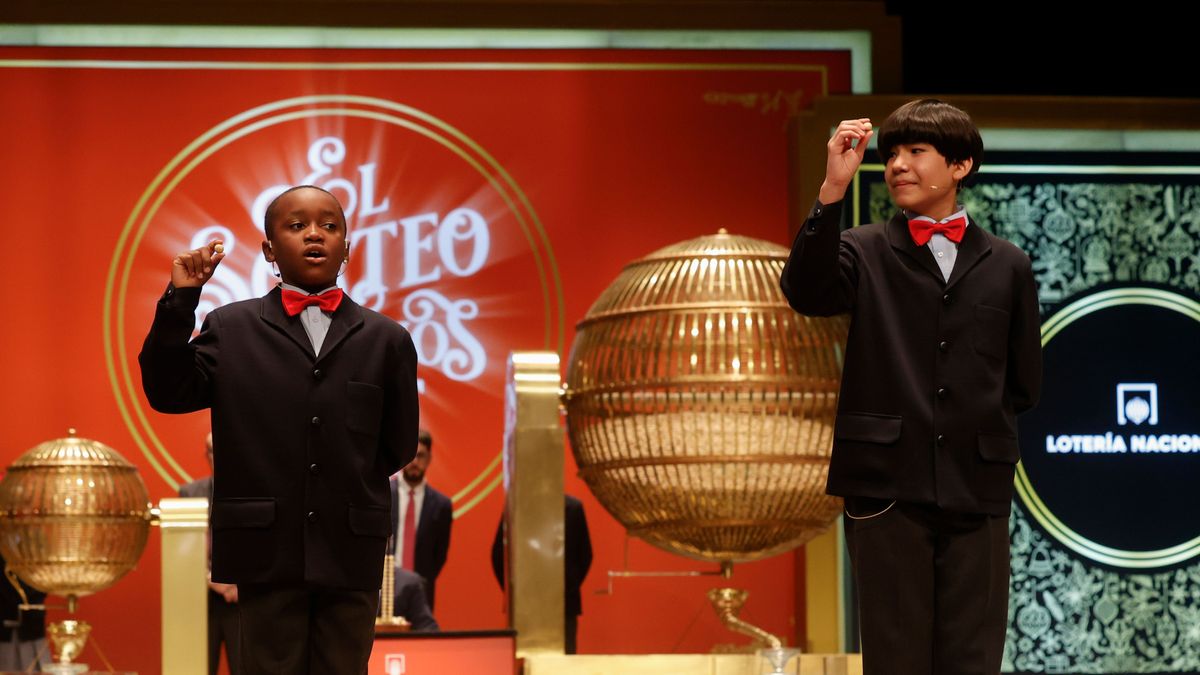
[294,301]
[922,230]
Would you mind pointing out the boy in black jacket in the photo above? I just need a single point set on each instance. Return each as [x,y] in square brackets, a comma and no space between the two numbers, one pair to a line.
[314,406]
[944,350]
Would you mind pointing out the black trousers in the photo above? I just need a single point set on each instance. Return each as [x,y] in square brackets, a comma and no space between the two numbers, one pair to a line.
[571,633]
[224,626]
[299,630]
[932,588]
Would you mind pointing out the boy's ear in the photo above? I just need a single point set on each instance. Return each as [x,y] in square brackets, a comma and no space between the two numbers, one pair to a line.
[268,253]
[961,169]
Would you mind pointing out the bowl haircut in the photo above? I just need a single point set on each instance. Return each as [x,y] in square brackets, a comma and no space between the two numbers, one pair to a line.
[948,129]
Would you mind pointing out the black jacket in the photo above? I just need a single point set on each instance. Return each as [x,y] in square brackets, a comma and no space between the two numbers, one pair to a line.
[935,371]
[409,601]
[433,535]
[30,624]
[303,444]
[577,556]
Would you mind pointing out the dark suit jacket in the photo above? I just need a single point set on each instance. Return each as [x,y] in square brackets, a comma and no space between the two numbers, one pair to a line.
[32,622]
[410,602]
[935,371]
[199,488]
[303,443]
[577,558]
[433,534]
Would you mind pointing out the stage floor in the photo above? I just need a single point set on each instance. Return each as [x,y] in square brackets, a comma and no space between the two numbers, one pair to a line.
[688,664]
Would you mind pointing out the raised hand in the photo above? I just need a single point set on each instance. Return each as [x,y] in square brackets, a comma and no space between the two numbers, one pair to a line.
[846,150]
[193,268]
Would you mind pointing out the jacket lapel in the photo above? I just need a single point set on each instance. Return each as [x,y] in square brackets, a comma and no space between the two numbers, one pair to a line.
[901,240]
[345,320]
[273,313]
[973,248]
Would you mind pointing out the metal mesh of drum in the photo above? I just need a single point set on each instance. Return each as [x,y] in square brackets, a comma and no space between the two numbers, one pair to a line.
[700,406]
[74,516]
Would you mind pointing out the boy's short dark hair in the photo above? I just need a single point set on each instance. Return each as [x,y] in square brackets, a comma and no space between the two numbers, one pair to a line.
[426,439]
[271,207]
[945,127]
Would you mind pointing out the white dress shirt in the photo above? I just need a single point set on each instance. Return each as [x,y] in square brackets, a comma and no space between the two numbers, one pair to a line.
[402,497]
[313,318]
[945,252]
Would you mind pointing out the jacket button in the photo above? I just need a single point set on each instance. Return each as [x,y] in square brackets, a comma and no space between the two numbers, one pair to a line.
[946,299]
[312,516]
[941,440]
[316,421]
[317,373]
[943,346]
[312,468]
[943,392]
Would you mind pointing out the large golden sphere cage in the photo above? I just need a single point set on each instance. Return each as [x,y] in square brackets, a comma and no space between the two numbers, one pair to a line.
[74,516]
[700,406]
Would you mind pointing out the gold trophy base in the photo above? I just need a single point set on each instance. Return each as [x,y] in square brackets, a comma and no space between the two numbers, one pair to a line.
[67,640]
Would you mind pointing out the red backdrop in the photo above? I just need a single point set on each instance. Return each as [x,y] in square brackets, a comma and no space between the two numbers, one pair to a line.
[492,196]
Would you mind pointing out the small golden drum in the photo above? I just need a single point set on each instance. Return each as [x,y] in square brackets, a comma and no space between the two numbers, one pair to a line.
[700,406]
[74,516]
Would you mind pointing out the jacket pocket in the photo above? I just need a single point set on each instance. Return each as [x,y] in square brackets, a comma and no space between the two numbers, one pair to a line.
[991,331]
[369,521]
[243,512]
[998,448]
[868,428]
[364,405]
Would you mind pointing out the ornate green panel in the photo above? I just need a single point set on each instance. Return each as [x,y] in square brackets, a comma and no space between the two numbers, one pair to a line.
[1087,226]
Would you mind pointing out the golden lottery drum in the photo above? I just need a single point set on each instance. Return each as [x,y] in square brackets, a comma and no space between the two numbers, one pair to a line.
[74,516]
[700,406]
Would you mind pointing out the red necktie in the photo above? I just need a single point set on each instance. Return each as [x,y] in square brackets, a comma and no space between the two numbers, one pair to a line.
[922,230]
[410,531]
[294,301]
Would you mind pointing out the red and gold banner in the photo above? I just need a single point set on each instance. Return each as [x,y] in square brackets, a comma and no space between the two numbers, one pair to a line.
[491,195]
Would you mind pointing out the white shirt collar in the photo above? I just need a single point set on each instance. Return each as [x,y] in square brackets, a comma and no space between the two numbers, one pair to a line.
[289,287]
[418,489]
[962,211]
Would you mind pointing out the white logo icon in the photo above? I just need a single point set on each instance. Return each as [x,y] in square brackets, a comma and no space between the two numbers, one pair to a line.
[1137,403]
[393,664]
